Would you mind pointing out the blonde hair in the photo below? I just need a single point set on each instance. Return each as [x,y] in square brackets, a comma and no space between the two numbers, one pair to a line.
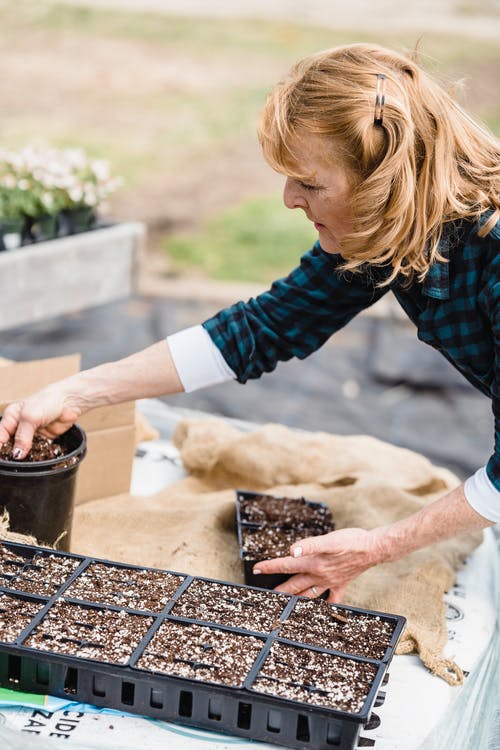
[428,163]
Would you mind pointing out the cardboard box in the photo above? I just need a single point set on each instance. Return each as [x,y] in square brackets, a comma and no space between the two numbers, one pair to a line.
[111,435]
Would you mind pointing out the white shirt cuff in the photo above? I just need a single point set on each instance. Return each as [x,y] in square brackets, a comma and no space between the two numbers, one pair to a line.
[482,495]
[197,360]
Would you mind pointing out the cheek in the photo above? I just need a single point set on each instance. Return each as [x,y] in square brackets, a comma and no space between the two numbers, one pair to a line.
[344,210]
[336,213]
[346,216]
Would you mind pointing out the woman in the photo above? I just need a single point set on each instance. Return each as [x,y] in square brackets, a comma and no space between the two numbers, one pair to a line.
[403,189]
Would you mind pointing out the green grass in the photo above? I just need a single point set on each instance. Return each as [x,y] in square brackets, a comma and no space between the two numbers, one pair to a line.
[257,240]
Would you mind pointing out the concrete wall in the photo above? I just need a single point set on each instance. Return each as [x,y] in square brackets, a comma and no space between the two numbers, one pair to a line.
[65,275]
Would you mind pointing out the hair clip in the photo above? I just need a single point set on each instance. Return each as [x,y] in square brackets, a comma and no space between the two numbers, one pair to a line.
[379,99]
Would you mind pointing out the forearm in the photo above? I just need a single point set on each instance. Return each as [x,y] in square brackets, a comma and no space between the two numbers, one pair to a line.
[54,409]
[447,517]
[146,374]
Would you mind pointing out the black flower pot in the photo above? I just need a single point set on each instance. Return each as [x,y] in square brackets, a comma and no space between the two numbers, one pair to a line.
[76,220]
[39,496]
[11,233]
[44,228]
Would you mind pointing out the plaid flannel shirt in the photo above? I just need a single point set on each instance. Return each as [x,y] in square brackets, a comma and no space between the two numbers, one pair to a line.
[456,310]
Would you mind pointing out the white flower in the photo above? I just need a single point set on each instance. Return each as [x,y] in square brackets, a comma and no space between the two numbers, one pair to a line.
[48,181]
[67,182]
[56,178]
[101,169]
[48,200]
[90,195]
[76,194]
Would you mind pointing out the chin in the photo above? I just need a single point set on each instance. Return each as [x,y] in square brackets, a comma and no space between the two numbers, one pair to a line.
[329,246]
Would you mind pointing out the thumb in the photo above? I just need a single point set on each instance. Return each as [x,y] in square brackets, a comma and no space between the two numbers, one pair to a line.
[336,595]
[312,545]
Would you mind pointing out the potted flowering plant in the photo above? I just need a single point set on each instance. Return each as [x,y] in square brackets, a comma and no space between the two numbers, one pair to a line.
[12,220]
[47,193]
[20,199]
[80,185]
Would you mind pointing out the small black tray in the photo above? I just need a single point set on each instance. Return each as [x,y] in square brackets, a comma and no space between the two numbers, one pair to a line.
[30,660]
[247,527]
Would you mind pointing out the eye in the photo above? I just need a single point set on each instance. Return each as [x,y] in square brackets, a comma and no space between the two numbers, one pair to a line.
[305,186]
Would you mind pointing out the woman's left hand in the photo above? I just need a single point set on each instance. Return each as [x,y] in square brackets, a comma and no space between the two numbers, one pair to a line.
[330,561]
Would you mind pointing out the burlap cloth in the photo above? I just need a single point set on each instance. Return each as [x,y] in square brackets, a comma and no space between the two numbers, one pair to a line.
[190,526]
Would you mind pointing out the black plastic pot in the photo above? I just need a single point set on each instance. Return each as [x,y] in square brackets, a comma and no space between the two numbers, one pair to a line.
[44,228]
[11,233]
[76,220]
[322,524]
[39,496]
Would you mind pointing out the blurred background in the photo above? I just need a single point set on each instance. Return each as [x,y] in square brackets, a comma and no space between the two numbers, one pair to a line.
[170,93]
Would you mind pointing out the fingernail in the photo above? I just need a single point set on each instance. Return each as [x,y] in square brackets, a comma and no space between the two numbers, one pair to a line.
[257,571]
[297,552]
[17,453]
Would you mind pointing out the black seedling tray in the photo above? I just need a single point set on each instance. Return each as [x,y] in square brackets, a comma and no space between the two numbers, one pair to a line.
[222,665]
[248,524]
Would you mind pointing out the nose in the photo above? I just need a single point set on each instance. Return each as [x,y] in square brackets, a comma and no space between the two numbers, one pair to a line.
[292,195]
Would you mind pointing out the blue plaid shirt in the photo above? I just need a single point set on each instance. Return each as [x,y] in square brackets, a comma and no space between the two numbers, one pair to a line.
[456,310]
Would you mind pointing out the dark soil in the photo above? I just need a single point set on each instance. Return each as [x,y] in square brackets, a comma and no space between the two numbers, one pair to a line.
[235,606]
[42,449]
[269,541]
[89,632]
[15,615]
[10,564]
[44,574]
[285,512]
[270,525]
[132,588]
[321,624]
[213,647]
[201,653]
[317,678]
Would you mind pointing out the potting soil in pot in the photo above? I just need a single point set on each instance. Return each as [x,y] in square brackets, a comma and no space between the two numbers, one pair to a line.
[201,653]
[37,493]
[284,512]
[235,606]
[267,526]
[42,449]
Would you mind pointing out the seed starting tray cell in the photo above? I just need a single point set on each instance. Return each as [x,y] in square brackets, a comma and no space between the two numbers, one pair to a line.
[268,525]
[227,657]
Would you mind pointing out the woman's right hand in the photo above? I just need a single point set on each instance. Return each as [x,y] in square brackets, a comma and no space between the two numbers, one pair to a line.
[51,411]
[47,412]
